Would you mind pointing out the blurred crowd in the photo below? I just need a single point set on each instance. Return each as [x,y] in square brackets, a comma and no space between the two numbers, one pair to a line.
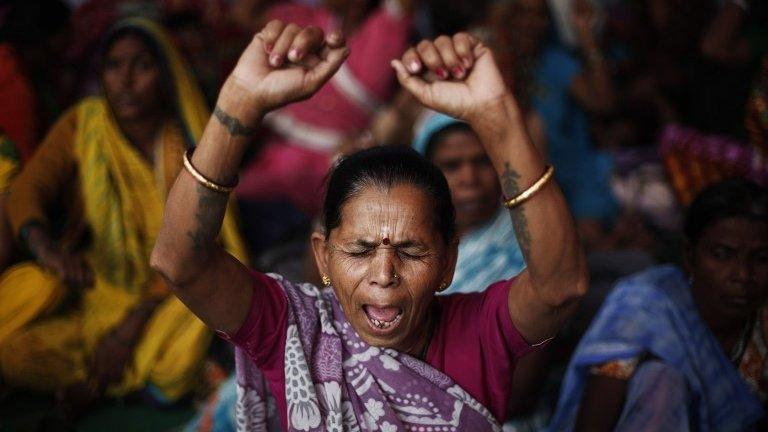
[640,105]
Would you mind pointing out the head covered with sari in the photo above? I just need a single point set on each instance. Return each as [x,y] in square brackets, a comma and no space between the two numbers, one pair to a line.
[125,194]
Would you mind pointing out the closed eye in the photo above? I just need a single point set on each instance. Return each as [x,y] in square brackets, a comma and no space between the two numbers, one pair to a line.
[360,253]
[411,253]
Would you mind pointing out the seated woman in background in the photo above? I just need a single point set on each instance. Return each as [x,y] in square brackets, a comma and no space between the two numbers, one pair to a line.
[106,165]
[376,348]
[683,350]
[488,249]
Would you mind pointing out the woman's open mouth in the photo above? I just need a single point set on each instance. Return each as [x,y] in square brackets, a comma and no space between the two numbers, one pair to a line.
[384,318]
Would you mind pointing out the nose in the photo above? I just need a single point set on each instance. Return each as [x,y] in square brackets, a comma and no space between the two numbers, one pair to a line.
[126,77]
[467,174]
[742,271]
[383,271]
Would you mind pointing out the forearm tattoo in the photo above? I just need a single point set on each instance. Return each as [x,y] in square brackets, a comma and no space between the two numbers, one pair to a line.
[208,216]
[511,188]
[232,124]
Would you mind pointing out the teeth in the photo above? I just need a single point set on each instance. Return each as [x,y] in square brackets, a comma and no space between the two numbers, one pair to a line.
[386,324]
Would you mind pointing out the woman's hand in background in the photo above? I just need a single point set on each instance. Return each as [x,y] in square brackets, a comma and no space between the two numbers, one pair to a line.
[71,268]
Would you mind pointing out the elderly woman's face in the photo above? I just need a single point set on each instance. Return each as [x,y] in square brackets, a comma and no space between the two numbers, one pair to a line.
[729,265]
[385,260]
[132,79]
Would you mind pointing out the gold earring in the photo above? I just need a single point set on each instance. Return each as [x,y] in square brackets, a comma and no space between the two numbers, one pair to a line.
[326,280]
[443,286]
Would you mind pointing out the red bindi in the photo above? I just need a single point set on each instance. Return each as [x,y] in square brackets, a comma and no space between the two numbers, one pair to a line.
[385,241]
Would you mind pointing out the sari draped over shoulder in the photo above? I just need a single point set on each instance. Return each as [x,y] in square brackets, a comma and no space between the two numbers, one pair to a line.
[335,381]
[687,383]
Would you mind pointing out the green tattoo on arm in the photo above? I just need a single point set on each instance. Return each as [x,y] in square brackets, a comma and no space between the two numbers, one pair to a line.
[233,125]
[210,212]
[511,188]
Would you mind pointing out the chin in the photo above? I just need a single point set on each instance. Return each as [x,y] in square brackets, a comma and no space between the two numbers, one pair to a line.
[390,337]
[127,115]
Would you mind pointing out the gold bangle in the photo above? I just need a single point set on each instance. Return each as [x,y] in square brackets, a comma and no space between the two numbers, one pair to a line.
[528,193]
[202,179]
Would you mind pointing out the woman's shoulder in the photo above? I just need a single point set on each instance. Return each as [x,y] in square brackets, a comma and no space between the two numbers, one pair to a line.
[68,120]
[659,277]
[653,287]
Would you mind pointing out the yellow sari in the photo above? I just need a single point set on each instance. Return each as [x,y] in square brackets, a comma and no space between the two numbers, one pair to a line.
[124,197]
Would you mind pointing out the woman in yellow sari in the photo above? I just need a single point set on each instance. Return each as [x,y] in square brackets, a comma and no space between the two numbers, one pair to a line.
[106,165]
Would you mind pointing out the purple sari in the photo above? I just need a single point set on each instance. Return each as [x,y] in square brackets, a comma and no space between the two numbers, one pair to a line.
[336,382]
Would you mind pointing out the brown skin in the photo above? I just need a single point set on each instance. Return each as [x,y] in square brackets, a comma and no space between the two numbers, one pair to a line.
[729,266]
[474,185]
[263,80]
[132,83]
[592,89]
[220,291]
[71,268]
[362,268]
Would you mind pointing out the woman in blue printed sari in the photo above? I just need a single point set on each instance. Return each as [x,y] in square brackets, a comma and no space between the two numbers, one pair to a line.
[683,350]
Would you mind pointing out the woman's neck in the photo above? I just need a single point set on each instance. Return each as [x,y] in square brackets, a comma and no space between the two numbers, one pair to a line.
[141,133]
[420,345]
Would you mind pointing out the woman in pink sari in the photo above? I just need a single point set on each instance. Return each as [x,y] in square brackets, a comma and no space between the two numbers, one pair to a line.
[374,348]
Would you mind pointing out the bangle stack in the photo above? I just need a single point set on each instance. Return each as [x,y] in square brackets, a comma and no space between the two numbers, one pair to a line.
[204,180]
[531,191]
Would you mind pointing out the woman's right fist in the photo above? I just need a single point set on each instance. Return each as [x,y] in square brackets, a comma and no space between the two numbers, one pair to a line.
[286,63]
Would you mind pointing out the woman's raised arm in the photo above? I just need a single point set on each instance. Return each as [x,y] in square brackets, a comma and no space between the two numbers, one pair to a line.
[282,64]
[459,77]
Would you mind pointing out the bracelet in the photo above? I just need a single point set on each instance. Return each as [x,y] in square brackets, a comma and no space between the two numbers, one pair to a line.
[202,179]
[528,193]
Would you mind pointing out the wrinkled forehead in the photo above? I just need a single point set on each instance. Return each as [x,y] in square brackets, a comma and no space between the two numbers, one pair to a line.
[402,212]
